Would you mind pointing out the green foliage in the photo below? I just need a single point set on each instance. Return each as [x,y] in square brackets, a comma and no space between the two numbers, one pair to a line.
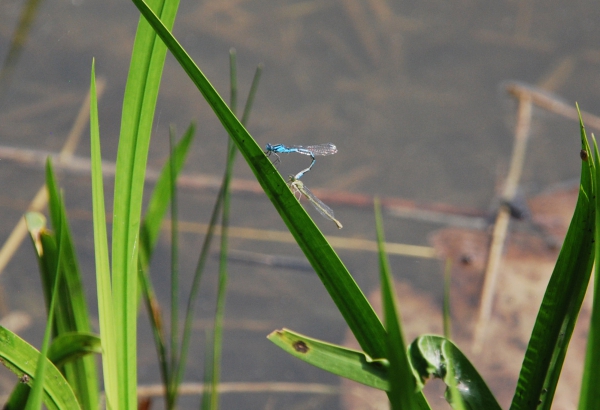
[106,311]
[22,358]
[590,395]
[402,392]
[141,91]
[385,364]
[348,363]
[342,288]
[435,356]
[562,301]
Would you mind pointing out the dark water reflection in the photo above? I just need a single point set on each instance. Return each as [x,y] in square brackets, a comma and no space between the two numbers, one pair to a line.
[410,92]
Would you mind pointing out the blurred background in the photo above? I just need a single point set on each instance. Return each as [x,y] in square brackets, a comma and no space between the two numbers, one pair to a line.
[412,93]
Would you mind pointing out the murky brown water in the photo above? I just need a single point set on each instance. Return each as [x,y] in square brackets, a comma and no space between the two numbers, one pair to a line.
[411,93]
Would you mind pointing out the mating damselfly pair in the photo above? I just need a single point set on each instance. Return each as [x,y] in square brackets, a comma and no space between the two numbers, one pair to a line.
[298,186]
[312,150]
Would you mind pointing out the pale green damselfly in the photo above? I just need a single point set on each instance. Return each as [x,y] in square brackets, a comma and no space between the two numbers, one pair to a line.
[298,186]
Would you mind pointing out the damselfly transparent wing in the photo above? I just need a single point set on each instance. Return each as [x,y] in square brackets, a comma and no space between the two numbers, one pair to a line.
[320,149]
[323,209]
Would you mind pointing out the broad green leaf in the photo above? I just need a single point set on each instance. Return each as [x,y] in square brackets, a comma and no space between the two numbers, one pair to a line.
[64,348]
[589,397]
[139,103]
[403,392]
[21,358]
[432,356]
[561,303]
[348,363]
[342,288]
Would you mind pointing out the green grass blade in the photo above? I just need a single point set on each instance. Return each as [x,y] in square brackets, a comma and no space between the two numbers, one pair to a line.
[208,371]
[71,312]
[192,298]
[151,225]
[221,293]
[252,94]
[206,390]
[403,392]
[342,288]
[103,280]
[233,86]
[139,103]
[35,398]
[446,316]
[222,287]
[339,360]
[71,346]
[172,394]
[21,358]
[44,245]
[589,396]
[431,356]
[561,303]
[160,199]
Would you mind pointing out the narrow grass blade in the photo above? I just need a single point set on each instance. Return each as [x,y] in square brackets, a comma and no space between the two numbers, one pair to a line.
[160,198]
[44,244]
[222,287]
[193,296]
[21,358]
[106,311]
[339,360]
[139,103]
[206,391]
[446,306]
[172,394]
[208,371]
[432,356]
[18,398]
[589,396]
[562,301]
[342,288]
[70,346]
[402,392]
[221,295]
[149,232]
[233,86]
[252,94]
[34,401]
[71,312]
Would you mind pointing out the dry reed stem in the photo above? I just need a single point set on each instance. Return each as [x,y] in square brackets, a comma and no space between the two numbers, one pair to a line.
[240,387]
[502,220]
